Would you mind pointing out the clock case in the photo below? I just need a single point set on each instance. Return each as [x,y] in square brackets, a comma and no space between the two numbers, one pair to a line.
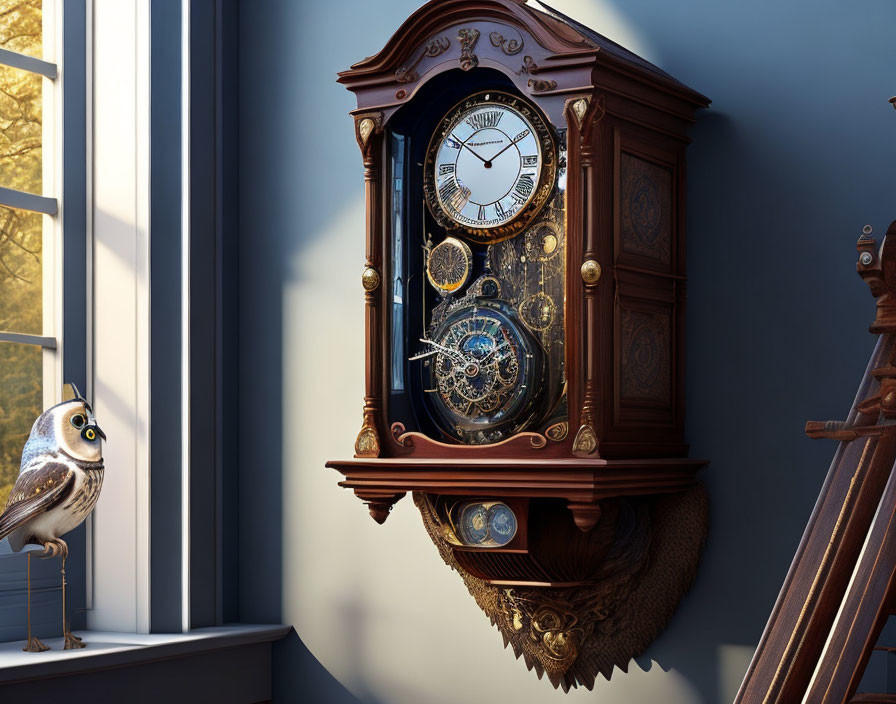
[613,499]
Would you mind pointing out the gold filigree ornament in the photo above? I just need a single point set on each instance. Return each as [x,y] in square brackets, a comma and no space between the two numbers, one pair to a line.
[579,107]
[370,279]
[449,265]
[365,128]
[585,442]
[367,444]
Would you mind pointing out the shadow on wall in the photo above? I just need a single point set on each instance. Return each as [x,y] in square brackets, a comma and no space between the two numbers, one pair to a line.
[783,172]
[781,180]
[298,676]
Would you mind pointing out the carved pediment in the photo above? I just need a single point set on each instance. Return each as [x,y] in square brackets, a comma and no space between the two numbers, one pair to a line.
[429,22]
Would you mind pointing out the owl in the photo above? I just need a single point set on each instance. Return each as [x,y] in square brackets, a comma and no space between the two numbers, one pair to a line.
[58,485]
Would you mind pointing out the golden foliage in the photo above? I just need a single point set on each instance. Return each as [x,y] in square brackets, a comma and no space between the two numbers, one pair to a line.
[21,306]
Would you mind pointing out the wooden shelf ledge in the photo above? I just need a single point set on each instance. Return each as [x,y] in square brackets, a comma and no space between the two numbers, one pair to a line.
[576,480]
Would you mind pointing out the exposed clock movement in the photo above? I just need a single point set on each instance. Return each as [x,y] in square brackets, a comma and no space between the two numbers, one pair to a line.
[525,291]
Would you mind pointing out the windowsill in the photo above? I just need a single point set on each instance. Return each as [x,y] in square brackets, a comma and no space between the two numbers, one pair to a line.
[107,649]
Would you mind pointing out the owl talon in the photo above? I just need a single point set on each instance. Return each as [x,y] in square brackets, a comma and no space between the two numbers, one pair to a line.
[33,645]
[55,548]
[72,642]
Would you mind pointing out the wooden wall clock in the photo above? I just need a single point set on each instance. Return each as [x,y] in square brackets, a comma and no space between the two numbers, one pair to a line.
[525,293]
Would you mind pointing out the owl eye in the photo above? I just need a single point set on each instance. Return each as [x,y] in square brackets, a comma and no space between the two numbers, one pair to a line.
[78,420]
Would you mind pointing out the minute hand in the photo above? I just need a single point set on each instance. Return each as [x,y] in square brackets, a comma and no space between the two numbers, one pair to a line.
[464,145]
[523,136]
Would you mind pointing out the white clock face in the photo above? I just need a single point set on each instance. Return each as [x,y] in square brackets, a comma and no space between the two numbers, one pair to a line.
[487,166]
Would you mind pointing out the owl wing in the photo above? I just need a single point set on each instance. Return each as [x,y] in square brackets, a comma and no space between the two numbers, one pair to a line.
[36,492]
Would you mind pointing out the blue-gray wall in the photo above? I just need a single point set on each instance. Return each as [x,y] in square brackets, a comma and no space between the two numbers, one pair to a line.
[785,169]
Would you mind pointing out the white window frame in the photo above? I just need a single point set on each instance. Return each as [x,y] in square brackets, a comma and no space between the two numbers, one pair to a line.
[118,361]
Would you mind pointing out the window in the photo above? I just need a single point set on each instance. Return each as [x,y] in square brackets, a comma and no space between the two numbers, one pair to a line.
[31,280]
[28,354]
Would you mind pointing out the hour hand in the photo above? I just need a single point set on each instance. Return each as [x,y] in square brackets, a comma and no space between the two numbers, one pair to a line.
[440,348]
[469,149]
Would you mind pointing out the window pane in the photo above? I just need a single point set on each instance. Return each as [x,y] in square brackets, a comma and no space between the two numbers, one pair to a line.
[20,26]
[20,405]
[20,130]
[21,279]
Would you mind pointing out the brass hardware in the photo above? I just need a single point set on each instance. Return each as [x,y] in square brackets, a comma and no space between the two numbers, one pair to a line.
[365,127]
[370,279]
[367,444]
[585,442]
[590,272]
[579,107]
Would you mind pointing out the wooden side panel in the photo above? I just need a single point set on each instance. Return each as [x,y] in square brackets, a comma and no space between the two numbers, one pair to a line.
[644,232]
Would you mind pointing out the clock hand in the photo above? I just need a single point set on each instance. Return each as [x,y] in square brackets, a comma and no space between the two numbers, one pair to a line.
[503,344]
[446,350]
[488,164]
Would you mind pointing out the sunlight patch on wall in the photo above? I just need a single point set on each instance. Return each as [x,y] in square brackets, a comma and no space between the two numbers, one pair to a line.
[733,663]
[375,604]
[603,18]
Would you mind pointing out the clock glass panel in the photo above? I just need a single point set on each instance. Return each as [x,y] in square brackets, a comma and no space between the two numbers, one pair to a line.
[478,273]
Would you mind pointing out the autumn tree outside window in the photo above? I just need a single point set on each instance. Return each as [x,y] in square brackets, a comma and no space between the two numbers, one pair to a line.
[28,226]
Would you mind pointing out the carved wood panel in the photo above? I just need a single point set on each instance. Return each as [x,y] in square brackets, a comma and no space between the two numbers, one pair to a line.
[645,350]
[645,208]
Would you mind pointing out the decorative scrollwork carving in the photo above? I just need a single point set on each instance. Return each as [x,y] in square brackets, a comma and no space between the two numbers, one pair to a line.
[574,634]
[468,39]
[423,445]
[539,86]
[398,433]
[434,47]
[508,46]
[529,66]
[600,108]
[558,431]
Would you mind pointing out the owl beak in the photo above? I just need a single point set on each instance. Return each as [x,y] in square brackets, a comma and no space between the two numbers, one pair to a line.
[91,431]
[99,431]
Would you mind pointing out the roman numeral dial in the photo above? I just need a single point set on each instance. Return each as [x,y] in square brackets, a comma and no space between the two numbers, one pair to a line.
[486,164]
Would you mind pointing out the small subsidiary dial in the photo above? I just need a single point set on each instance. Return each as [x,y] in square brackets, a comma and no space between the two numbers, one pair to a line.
[501,524]
[449,264]
[474,524]
[485,524]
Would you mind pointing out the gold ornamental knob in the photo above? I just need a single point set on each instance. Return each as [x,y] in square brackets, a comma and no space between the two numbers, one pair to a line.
[590,272]
[370,279]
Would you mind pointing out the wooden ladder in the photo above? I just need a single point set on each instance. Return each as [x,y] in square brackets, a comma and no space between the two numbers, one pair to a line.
[841,587]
